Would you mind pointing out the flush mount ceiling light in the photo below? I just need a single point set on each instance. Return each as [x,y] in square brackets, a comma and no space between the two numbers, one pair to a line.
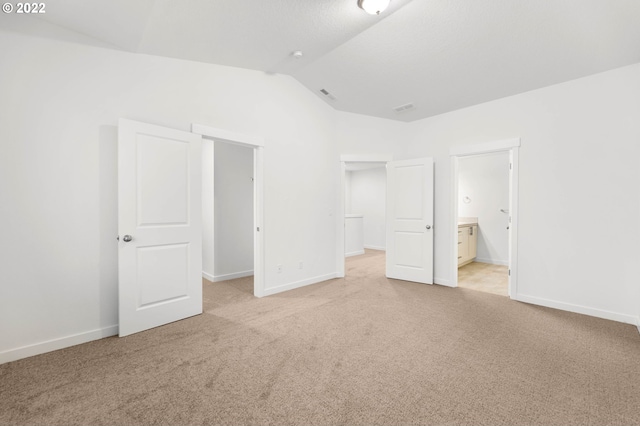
[373,7]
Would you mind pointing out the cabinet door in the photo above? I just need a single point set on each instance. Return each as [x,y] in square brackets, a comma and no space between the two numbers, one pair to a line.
[463,245]
[473,242]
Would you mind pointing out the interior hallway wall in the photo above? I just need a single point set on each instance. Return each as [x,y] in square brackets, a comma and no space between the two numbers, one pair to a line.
[367,197]
[233,203]
[484,181]
[579,179]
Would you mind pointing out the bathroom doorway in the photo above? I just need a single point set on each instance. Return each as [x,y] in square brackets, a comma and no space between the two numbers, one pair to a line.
[484,216]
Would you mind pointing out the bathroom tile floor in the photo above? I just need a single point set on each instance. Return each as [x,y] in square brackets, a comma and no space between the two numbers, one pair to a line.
[484,277]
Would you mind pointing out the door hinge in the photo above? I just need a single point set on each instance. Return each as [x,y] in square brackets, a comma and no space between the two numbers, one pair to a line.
[509,272]
[510,166]
[258,229]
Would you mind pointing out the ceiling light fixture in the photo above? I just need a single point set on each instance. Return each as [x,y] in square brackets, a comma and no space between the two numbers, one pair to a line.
[373,7]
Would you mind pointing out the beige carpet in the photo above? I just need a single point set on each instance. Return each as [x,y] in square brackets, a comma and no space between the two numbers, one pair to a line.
[357,351]
[484,277]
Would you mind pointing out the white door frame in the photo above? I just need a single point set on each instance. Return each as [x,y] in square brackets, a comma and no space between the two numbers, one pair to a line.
[511,146]
[257,144]
[340,222]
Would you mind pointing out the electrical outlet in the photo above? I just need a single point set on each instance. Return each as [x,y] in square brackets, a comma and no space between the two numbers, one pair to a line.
[279,269]
[301,265]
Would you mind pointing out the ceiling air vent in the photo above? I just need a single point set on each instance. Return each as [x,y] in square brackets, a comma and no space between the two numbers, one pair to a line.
[327,94]
[403,108]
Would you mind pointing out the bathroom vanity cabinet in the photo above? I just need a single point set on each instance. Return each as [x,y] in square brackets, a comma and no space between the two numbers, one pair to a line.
[467,243]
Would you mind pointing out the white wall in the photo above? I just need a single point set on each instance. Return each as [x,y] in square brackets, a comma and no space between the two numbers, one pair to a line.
[61,99]
[579,197]
[233,211]
[484,179]
[367,197]
[347,192]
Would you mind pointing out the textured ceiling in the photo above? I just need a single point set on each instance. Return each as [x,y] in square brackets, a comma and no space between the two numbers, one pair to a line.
[440,55]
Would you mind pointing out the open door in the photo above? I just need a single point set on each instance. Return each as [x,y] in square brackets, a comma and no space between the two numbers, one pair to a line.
[410,220]
[159,225]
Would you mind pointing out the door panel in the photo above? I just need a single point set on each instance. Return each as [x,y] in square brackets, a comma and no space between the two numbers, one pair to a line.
[163,272]
[410,220]
[163,181]
[159,196]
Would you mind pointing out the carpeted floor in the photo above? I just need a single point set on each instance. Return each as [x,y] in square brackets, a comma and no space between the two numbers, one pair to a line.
[362,350]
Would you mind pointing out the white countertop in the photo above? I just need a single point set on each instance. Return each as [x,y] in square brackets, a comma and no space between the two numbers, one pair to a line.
[467,221]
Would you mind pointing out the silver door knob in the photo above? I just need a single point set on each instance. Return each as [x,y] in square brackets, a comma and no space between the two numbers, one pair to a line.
[428,226]
[127,238]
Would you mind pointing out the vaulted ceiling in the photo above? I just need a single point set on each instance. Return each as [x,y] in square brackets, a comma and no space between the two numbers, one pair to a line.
[438,55]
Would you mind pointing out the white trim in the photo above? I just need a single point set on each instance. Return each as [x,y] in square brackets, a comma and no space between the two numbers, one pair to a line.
[341,224]
[514,191]
[258,223]
[298,284]
[225,277]
[375,247]
[585,310]
[508,145]
[207,276]
[354,253]
[366,158]
[227,136]
[486,147]
[257,143]
[491,261]
[56,344]
[442,281]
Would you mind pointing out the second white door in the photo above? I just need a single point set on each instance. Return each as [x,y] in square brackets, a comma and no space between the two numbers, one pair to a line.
[410,220]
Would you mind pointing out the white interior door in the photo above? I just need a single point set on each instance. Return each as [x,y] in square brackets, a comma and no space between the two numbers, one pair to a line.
[159,225]
[410,220]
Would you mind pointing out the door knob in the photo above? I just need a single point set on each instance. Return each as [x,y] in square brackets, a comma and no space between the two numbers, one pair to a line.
[428,226]
[127,238]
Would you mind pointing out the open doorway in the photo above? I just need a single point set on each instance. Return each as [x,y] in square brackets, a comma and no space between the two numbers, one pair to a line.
[361,217]
[483,222]
[408,217]
[365,188]
[228,210]
[232,208]
[484,201]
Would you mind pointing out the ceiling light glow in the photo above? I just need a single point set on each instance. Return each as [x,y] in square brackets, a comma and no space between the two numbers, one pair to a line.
[373,7]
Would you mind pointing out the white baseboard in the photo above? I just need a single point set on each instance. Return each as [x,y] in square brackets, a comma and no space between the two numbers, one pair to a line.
[354,253]
[491,261]
[225,277]
[599,313]
[297,284]
[442,281]
[375,247]
[55,344]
